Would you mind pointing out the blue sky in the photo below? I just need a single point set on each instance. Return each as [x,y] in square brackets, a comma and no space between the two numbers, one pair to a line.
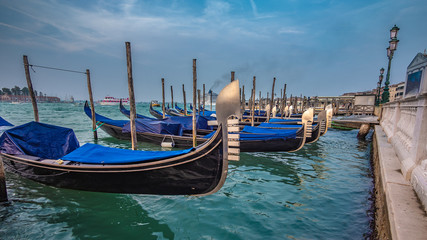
[317,47]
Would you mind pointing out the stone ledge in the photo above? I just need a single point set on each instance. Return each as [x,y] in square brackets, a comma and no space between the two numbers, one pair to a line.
[406,215]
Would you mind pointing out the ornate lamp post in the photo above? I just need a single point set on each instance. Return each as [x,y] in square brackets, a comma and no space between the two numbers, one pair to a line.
[390,51]
[378,101]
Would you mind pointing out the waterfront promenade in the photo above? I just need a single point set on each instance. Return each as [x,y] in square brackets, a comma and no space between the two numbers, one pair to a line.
[400,160]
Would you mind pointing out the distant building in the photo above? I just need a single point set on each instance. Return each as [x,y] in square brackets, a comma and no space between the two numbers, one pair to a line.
[396,91]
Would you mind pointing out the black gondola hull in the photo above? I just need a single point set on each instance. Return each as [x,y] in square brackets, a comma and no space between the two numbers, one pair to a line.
[198,173]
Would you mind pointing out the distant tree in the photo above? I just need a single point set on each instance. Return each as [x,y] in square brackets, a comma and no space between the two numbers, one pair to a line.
[6,91]
[25,91]
[1,92]
[16,90]
[40,94]
[35,93]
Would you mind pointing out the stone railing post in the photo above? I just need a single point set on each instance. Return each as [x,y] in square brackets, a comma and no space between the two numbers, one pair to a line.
[419,154]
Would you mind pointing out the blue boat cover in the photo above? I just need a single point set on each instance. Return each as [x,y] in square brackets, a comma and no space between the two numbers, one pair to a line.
[207,113]
[256,133]
[273,125]
[97,154]
[186,121]
[98,117]
[279,120]
[4,122]
[39,139]
[155,126]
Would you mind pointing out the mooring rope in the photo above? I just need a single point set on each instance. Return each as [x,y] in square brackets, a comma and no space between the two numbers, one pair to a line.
[52,68]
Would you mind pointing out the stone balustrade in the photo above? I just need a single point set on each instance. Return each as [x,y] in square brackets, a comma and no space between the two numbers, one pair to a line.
[405,124]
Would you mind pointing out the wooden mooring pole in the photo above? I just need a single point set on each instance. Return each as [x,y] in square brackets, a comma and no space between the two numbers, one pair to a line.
[253,103]
[172,97]
[232,75]
[204,103]
[194,101]
[211,99]
[272,101]
[283,102]
[30,88]
[92,105]
[131,96]
[198,102]
[163,98]
[185,101]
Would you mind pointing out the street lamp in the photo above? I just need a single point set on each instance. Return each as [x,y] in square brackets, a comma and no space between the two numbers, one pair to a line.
[390,52]
[378,95]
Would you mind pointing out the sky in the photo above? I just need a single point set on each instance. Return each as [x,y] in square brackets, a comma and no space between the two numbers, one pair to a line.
[316,47]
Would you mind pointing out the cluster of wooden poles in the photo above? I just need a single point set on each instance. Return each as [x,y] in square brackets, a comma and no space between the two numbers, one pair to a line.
[131,95]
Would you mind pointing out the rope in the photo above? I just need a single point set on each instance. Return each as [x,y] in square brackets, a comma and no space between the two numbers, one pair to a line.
[52,68]
[97,126]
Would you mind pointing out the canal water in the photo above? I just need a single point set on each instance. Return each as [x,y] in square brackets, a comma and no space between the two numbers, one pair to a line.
[323,191]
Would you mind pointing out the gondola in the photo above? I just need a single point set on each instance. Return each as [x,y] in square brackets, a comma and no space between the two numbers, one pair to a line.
[4,123]
[202,122]
[256,139]
[319,126]
[251,139]
[155,113]
[52,155]
[173,112]
[182,110]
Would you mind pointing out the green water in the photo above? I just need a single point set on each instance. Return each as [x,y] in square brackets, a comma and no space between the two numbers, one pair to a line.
[320,192]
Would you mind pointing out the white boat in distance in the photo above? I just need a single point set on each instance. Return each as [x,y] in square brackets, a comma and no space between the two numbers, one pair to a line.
[114,101]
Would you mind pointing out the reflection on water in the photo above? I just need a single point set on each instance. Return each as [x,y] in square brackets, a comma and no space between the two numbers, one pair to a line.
[319,192]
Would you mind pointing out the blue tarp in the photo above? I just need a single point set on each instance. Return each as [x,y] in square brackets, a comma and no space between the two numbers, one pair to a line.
[155,126]
[256,133]
[118,123]
[279,120]
[272,125]
[96,154]
[207,113]
[39,139]
[4,122]
[186,121]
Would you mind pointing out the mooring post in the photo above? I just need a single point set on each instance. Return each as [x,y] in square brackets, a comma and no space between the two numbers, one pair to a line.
[172,97]
[30,88]
[131,97]
[211,99]
[232,75]
[283,105]
[253,102]
[185,101]
[363,131]
[3,190]
[92,105]
[271,101]
[243,99]
[198,102]
[204,100]
[163,97]
[194,102]
[259,103]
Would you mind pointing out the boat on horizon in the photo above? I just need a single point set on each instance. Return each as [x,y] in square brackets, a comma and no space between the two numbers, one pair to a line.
[113,101]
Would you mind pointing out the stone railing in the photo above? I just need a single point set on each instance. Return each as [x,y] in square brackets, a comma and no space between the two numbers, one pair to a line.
[405,124]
